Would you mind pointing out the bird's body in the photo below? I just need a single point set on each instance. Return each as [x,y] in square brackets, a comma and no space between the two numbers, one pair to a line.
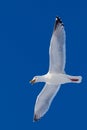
[56,74]
[58,78]
[54,78]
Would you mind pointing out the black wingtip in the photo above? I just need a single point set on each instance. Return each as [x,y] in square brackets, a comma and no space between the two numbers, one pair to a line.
[58,20]
[35,119]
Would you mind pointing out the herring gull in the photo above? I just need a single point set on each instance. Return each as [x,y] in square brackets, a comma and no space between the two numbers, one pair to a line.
[56,74]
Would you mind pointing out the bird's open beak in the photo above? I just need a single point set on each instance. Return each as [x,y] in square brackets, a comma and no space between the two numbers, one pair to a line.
[32,81]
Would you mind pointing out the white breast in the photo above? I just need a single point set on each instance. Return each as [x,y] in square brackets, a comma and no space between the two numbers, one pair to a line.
[53,78]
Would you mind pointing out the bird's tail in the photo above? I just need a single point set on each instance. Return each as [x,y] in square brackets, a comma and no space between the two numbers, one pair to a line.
[75,79]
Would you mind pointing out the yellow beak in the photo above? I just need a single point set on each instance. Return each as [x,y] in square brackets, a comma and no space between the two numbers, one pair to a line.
[32,81]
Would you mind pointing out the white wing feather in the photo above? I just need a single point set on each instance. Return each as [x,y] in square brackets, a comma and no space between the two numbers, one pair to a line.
[57,48]
[44,100]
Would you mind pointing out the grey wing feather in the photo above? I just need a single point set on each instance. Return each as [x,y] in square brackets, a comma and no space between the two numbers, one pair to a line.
[44,100]
[57,48]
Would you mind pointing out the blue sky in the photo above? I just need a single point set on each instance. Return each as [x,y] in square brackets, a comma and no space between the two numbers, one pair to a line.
[25,31]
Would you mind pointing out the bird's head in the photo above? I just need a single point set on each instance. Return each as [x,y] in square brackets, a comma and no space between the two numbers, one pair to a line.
[34,80]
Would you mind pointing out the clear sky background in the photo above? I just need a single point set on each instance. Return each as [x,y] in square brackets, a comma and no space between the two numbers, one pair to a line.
[25,31]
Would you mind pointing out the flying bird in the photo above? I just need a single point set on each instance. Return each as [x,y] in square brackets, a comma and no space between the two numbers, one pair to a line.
[56,74]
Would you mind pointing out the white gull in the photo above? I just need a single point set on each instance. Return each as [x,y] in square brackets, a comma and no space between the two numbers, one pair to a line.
[56,74]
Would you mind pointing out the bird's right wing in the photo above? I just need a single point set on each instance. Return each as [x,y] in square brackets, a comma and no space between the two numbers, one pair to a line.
[57,48]
[44,100]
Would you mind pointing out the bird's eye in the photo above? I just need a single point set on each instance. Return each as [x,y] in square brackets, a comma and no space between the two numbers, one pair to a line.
[34,78]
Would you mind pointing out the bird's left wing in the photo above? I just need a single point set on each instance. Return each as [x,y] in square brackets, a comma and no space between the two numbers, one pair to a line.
[57,48]
[44,100]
